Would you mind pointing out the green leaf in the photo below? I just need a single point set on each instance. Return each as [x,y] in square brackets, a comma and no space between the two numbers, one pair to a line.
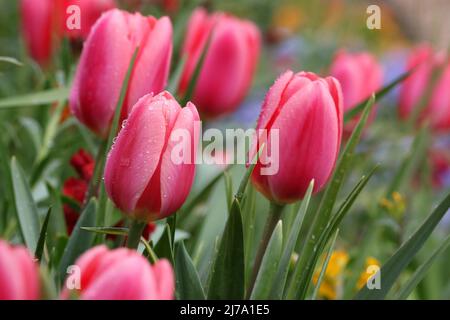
[269,265]
[227,273]
[114,231]
[80,240]
[188,284]
[421,271]
[35,99]
[324,266]
[164,247]
[391,270]
[25,206]
[379,94]
[283,267]
[11,60]
[329,230]
[42,236]
[319,220]
[410,163]
[57,223]
[228,189]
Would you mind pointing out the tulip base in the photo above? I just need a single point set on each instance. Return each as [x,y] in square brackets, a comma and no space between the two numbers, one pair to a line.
[272,220]
[135,233]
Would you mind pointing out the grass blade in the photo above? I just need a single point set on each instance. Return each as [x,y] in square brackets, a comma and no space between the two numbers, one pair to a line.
[269,265]
[379,94]
[324,266]
[80,240]
[35,99]
[188,285]
[42,236]
[391,270]
[227,273]
[421,271]
[25,207]
[283,267]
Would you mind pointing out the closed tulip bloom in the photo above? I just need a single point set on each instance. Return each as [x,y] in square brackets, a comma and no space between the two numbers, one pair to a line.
[438,109]
[229,65]
[104,62]
[41,27]
[143,177]
[423,60]
[360,75]
[90,11]
[121,274]
[19,274]
[307,112]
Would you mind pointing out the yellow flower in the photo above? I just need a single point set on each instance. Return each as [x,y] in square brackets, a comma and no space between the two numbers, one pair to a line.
[332,279]
[365,276]
[396,207]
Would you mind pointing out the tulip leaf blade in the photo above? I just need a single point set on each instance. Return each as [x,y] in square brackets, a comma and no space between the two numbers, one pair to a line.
[421,271]
[35,98]
[352,112]
[164,247]
[113,231]
[392,269]
[11,60]
[80,240]
[229,262]
[174,81]
[25,206]
[269,265]
[42,236]
[283,267]
[324,266]
[188,284]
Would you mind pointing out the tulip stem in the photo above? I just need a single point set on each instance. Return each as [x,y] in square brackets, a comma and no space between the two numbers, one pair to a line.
[134,235]
[272,220]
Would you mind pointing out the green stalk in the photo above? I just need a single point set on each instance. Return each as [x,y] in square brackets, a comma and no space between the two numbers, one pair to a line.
[272,220]
[134,235]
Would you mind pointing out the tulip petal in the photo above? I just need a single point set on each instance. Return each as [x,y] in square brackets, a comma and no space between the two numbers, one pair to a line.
[135,155]
[176,178]
[101,70]
[153,61]
[313,136]
[164,276]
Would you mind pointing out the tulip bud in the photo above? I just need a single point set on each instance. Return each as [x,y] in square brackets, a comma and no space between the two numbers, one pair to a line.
[143,175]
[422,61]
[19,274]
[41,27]
[306,112]
[360,75]
[438,109]
[121,274]
[229,64]
[104,62]
[90,11]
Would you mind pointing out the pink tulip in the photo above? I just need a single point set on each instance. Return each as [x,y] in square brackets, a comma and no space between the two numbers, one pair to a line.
[423,60]
[229,64]
[307,112]
[438,109]
[41,21]
[105,59]
[141,176]
[121,274]
[360,75]
[19,274]
[90,11]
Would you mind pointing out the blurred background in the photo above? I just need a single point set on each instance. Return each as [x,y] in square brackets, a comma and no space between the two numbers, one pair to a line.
[297,35]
